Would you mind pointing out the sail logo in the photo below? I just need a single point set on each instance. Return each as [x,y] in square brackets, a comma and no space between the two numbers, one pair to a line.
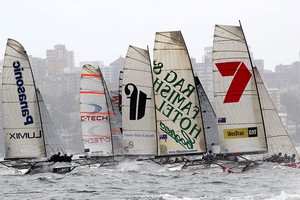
[97,108]
[25,135]
[95,140]
[21,91]
[240,133]
[241,76]
[94,118]
[137,103]
[183,139]
[178,105]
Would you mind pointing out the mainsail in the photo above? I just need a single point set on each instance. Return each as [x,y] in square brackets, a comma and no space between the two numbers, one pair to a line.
[240,122]
[138,112]
[179,122]
[53,142]
[22,127]
[95,124]
[277,136]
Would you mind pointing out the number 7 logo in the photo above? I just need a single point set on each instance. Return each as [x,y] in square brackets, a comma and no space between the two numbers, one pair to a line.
[239,82]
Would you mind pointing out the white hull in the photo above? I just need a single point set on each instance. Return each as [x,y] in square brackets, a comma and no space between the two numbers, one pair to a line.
[34,167]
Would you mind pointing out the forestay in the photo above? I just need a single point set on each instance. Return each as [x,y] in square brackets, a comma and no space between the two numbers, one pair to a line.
[240,122]
[22,128]
[138,112]
[179,123]
[277,137]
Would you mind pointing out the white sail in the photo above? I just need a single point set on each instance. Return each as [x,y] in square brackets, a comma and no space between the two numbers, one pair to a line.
[209,119]
[278,139]
[22,126]
[96,131]
[53,142]
[179,123]
[138,112]
[238,111]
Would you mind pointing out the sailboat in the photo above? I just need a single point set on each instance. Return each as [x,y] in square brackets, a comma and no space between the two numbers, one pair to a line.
[26,124]
[98,122]
[138,112]
[241,124]
[178,113]
[277,136]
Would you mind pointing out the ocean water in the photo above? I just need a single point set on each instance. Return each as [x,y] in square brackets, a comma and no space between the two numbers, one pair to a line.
[132,180]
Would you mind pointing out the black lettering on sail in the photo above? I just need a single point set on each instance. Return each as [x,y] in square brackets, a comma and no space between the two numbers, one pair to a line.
[136,111]
[142,105]
[133,99]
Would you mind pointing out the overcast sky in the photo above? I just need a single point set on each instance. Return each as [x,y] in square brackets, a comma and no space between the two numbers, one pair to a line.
[103,29]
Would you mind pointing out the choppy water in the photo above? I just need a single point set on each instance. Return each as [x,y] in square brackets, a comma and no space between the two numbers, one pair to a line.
[137,180]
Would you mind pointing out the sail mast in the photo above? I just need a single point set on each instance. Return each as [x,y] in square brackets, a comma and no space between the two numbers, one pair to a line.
[38,105]
[106,93]
[22,127]
[179,120]
[259,100]
[197,94]
[138,110]
[155,116]
[96,129]
[240,123]
[114,121]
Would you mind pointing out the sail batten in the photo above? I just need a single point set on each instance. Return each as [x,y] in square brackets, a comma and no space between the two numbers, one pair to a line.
[277,136]
[138,112]
[22,127]
[96,130]
[238,110]
[179,121]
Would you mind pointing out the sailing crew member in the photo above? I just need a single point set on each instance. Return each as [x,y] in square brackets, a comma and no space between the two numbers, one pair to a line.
[54,158]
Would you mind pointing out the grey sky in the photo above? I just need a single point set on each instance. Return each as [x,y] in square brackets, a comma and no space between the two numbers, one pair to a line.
[103,29]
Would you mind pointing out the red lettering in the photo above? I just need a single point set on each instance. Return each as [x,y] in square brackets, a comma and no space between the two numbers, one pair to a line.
[94,118]
[97,140]
[105,118]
